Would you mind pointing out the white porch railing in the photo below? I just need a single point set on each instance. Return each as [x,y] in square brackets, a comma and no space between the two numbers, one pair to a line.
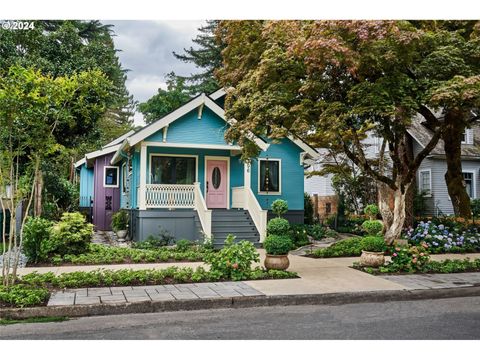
[245,198]
[169,196]
[204,214]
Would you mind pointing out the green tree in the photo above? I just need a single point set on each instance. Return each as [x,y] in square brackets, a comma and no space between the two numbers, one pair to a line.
[206,56]
[165,101]
[333,82]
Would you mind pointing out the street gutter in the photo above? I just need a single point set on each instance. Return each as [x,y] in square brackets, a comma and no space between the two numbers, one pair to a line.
[238,302]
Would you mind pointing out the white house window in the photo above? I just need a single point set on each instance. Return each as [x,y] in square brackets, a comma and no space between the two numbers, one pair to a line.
[110,178]
[467,137]
[468,181]
[425,182]
[269,176]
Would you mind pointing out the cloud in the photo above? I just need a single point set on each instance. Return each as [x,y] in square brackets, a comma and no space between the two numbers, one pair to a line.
[146,51]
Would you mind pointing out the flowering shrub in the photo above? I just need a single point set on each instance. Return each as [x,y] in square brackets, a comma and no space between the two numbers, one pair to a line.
[442,238]
[408,258]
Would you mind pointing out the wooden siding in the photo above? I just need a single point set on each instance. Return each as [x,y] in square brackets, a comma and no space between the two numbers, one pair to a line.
[86,185]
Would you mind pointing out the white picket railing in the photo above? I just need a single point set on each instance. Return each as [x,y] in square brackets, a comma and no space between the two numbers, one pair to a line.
[245,198]
[204,214]
[170,196]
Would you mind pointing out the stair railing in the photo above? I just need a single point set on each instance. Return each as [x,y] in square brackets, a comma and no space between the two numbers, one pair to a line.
[204,214]
[245,198]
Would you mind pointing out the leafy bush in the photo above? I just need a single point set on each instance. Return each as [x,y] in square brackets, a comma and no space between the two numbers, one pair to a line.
[277,244]
[408,258]
[299,235]
[374,243]
[22,295]
[316,231]
[36,236]
[308,209]
[164,238]
[279,207]
[372,227]
[71,235]
[183,245]
[371,211]
[278,226]
[234,260]
[347,247]
[120,220]
[447,236]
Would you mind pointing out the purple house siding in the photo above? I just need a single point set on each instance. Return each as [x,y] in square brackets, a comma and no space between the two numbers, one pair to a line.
[106,199]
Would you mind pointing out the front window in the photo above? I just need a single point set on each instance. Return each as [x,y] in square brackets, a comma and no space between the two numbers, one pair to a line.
[111,176]
[173,170]
[425,182]
[468,182]
[269,176]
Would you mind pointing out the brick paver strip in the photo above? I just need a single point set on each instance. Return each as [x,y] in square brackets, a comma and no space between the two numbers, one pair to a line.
[124,294]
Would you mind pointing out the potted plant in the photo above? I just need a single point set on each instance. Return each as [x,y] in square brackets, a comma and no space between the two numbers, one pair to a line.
[373,248]
[120,224]
[277,248]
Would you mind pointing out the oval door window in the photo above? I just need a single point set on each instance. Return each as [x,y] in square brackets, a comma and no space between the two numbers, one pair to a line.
[216,178]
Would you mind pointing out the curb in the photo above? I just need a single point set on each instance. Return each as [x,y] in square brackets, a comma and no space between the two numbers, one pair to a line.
[238,302]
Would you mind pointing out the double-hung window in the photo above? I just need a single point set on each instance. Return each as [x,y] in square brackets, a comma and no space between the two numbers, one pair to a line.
[425,182]
[468,181]
[269,176]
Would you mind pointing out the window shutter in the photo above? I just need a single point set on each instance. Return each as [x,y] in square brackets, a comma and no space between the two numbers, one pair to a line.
[469,137]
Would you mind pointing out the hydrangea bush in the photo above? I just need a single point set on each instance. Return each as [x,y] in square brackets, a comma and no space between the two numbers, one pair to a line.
[441,238]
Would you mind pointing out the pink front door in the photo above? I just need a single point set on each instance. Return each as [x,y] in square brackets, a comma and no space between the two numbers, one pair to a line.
[216,184]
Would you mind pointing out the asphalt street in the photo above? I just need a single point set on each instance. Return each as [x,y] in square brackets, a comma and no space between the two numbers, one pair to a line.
[456,318]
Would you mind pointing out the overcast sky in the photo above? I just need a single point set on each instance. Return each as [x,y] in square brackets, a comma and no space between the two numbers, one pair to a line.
[146,50]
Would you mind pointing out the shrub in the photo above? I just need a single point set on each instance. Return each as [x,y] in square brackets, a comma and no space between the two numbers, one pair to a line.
[277,244]
[308,209]
[233,261]
[71,235]
[22,295]
[164,238]
[35,234]
[278,226]
[279,207]
[475,205]
[120,220]
[299,235]
[371,211]
[183,245]
[409,258]
[373,243]
[316,231]
[372,227]
[347,247]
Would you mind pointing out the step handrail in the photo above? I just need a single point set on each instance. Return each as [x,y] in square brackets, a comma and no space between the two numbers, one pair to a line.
[204,214]
[246,198]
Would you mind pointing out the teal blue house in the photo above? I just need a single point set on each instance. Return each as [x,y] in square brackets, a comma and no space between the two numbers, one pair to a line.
[179,174]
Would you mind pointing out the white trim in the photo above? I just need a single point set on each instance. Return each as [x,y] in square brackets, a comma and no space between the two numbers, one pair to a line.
[119,139]
[420,180]
[193,146]
[468,137]
[143,177]
[124,178]
[474,187]
[80,162]
[227,158]
[105,176]
[149,166]
[165,131]
[218,94]
[101,152]
[305,147]
[279,192]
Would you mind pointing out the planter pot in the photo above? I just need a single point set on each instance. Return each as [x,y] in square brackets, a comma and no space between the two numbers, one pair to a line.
[121,234]
[373,259]
[277,262]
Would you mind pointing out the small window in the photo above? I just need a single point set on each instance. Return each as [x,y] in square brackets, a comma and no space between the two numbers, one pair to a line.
[467,137]
[269,176]
[468,182]
[425,182]
[111,176]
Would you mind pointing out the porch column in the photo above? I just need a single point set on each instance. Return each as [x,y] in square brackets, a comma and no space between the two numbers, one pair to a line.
[143,176]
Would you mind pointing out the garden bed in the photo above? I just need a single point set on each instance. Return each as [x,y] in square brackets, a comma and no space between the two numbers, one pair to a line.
[105,255]
[34,289]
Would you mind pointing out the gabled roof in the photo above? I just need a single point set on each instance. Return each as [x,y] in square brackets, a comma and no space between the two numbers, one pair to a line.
[119,139]
[217,94]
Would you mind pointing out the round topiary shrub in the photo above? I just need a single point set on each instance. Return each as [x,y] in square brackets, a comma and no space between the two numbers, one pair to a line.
[371,211]
[277,244]
[279,207]
[374,244]
[372,227]
[278,226]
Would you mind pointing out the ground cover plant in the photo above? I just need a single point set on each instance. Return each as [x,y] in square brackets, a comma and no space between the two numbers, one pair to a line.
[344,248]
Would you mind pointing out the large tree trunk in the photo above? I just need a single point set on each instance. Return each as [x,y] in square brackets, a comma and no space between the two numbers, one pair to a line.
[385,204]
[394,232]
[452,137]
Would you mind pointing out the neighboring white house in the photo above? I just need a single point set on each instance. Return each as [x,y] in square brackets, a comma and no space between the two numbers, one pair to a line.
[430,176]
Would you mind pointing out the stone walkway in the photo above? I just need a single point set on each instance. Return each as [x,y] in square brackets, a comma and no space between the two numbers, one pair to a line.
[435,281]
[129,294]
